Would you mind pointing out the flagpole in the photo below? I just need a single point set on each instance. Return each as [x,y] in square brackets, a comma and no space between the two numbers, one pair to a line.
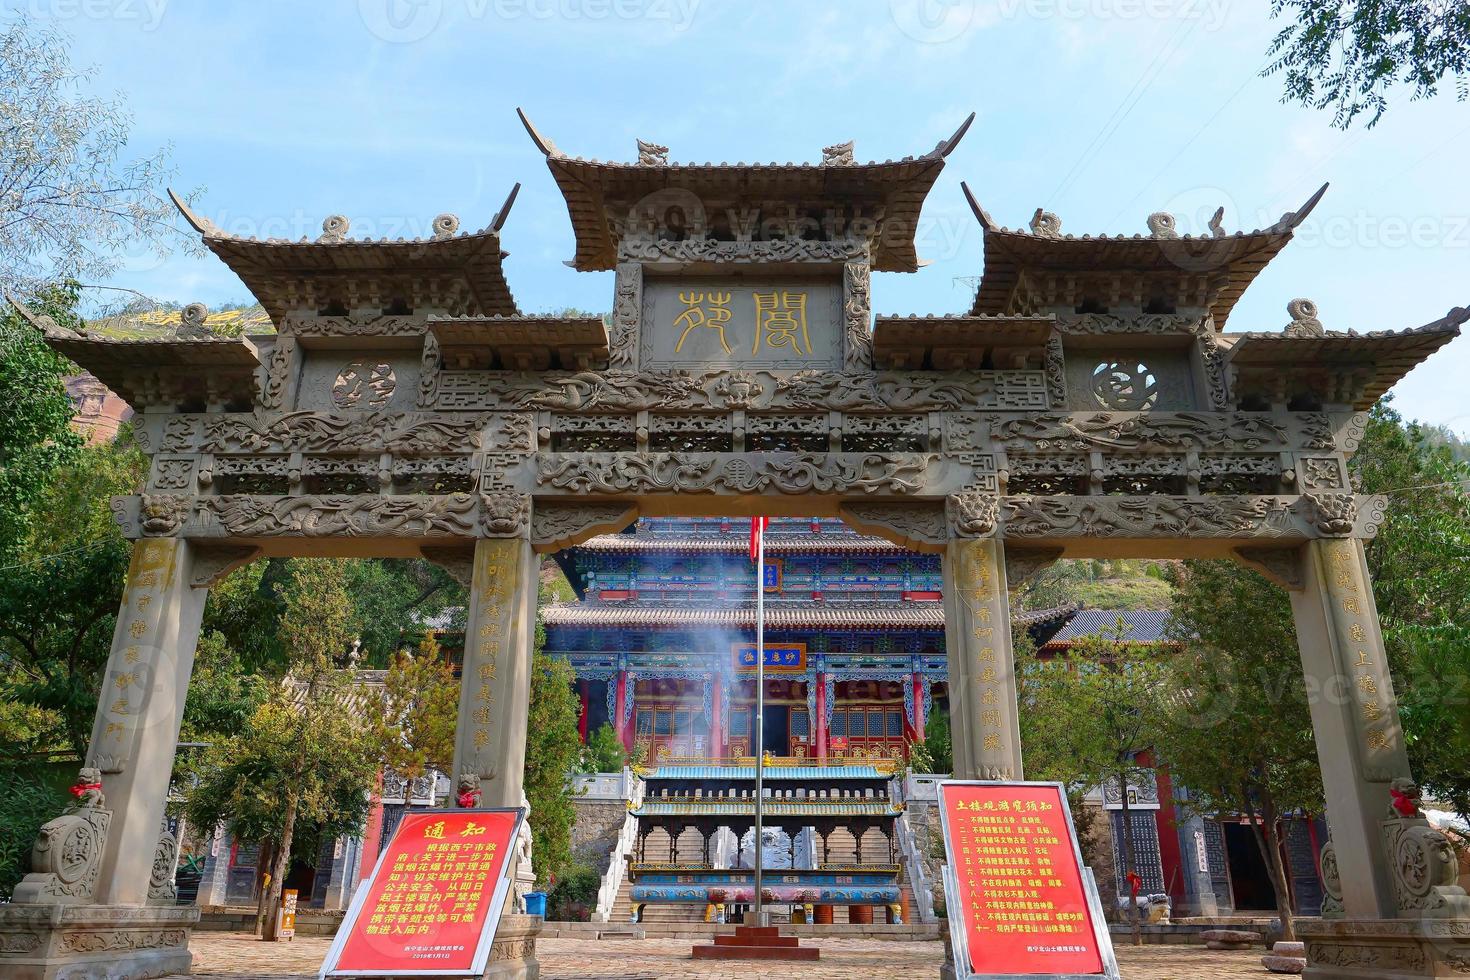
[760,705]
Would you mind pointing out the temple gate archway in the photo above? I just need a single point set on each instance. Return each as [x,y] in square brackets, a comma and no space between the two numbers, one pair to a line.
[1088,404]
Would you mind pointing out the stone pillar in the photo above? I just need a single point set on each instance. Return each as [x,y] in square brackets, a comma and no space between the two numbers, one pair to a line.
[716,730]
[819,723]
[140,709]
[582,711]
[495,685]
[620,710]
[1360,744]
[918,683]
[982,674]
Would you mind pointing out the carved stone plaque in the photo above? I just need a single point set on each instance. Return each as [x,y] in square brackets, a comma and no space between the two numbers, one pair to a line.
[722,324]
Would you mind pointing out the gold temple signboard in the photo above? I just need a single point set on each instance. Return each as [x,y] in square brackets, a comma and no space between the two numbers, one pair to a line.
[734,322]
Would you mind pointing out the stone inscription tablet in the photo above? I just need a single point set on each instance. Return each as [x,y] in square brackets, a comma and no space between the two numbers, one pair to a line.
[722,324]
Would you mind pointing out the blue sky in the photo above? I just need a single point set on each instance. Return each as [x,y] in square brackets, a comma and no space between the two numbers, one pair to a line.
[392,111]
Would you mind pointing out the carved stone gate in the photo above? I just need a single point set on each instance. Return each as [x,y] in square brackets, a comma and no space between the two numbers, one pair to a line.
[1088,404]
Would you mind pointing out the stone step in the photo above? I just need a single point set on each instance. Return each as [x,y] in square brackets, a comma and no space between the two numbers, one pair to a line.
[756,953]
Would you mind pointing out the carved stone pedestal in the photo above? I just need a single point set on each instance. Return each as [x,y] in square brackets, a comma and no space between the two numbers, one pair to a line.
[1394,949]
[96,942]
[513,954]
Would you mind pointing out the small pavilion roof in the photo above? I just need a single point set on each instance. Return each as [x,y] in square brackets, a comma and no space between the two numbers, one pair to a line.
[459,273]
[706,807]
[778,773]
[916,616]
[596,190]
[958,343]
[522,343]
[1142,625]
[1380,359]
[804,543]
[1228,263]
[157,370]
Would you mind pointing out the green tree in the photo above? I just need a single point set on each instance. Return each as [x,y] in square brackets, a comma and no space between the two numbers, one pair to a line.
[36,439]
[1237,730]
[71,202]
[1087,717]
[1349,54]
[604,751]
[59,593]
[553,752]
[1420,563]
[306,759]
[420,707]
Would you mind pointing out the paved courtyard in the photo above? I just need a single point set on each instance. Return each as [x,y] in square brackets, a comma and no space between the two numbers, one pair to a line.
[227,956]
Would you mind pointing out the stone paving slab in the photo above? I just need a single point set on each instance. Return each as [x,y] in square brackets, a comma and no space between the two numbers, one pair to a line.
[227,956]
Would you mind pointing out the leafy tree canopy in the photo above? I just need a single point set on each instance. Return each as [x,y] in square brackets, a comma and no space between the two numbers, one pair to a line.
[1347,55]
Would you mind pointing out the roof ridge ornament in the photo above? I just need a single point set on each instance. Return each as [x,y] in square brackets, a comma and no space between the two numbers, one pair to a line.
[652,154]
[946,147]
[1044,224]
[202,225]
[543,144]
[334,230]
[1304,322]
[1161,224]
[445,225]
[838,154]
[191,323]
[498,222]
[44,323]
[1217,223]
[1292,219]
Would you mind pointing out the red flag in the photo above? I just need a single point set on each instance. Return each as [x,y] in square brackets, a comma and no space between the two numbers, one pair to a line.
[758,527]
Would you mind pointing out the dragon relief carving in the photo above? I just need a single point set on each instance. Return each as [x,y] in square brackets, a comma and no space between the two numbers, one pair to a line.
[920,524]
[429,368]
[973,515]
[645,249]
[707,473]
[856,307]
[555,526]
[455,514]
[1144,517]
[627,312]
[279,368]
[410,433]
[1139,430]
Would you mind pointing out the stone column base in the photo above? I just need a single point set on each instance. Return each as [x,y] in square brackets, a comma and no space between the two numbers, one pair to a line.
[513,953]
[83,942]
[1385,949]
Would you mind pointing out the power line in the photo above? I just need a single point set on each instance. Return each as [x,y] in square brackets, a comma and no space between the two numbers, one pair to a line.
[1125,107]
[1190,142]
[52,557]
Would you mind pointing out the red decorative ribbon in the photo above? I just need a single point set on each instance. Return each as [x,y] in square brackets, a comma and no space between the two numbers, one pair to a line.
[81,788]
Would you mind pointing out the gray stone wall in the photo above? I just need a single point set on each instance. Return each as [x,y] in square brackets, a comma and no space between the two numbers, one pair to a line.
[595,831]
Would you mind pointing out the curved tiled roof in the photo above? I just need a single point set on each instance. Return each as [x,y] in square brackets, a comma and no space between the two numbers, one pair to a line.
[771,808]
[917,616]
[737,543]
[1143,625]
[1231,261]
[594,187]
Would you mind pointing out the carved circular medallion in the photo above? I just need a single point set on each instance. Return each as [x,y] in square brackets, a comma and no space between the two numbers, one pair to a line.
[359,385]
[1125,386]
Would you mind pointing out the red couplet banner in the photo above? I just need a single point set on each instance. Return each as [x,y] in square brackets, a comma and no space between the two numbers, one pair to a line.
[434,899]
[1022,902]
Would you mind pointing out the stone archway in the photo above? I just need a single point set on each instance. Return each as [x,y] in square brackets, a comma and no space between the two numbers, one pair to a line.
[405,407]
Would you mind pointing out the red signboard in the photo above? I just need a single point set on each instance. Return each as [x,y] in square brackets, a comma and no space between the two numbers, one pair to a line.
[1016,894]
[434,900]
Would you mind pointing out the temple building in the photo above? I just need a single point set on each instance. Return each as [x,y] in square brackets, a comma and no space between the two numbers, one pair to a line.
[663,641]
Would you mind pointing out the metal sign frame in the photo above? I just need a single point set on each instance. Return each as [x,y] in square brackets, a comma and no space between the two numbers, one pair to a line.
[959,935]
[487,934]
